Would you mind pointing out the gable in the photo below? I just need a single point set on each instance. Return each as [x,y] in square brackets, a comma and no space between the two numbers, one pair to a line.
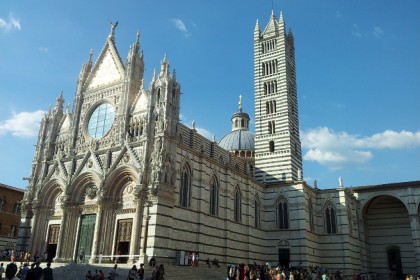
[106,72]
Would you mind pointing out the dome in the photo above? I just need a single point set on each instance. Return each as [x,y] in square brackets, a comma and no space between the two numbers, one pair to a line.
[238,140]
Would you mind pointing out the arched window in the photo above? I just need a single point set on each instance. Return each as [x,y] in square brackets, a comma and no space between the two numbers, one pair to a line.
[311,216]
[282,213]
[237,206]
[257,210]
[236,123]
[214,197]
[185,188]
[330,219]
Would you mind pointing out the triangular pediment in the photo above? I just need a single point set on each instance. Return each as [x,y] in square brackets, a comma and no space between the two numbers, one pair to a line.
[141,103]
[107,70]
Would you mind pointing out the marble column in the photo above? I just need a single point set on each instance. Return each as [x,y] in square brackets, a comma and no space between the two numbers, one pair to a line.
[143,256]
[34,227]
[61,234]
[97,237]
[137,225]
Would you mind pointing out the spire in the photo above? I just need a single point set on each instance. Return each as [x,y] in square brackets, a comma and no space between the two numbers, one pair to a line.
[86,67]
[174,75]
[68,108]
[281,20]
[154,75]
[59,102]
[257,31]
[240,103]
[90,56]
[164,67]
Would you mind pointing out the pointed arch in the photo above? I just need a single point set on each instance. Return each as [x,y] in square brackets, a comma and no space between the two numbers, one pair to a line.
[185,186]
[214,196]
[50,192]
[330,218]
[237,205]
[257,211]
[282,213]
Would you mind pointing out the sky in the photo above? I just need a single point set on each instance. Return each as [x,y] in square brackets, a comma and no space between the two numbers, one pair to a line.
[358,73]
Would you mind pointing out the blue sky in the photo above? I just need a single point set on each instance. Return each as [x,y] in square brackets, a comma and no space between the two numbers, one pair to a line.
[358,73]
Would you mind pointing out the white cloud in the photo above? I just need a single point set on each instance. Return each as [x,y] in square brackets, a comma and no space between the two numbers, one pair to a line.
[391,140]
[23,124]
[10,23]
[336,149]
[43,49]
[180,25]
[378,32]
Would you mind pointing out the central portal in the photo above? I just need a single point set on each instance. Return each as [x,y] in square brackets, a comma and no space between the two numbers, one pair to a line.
[85,240]
[123,240]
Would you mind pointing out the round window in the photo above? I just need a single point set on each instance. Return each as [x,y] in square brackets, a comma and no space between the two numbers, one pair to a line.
[101,120]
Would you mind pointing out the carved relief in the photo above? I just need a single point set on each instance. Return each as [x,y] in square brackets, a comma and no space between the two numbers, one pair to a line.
[91,192]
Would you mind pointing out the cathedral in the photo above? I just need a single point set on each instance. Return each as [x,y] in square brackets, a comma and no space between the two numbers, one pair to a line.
[118,174]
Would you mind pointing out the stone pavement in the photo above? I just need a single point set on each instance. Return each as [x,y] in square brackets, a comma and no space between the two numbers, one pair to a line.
[73,271]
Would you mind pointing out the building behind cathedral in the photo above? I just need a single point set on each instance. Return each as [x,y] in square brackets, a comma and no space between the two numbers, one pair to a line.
[120,174]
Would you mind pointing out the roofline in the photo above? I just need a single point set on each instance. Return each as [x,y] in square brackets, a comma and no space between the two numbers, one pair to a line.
[11,188]
[388,185]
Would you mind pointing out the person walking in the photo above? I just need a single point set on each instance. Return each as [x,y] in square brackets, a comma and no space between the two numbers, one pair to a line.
[141,272]
[132,273]
[1,271]
[113,274]
[48,272]
[11,270]
[38,271]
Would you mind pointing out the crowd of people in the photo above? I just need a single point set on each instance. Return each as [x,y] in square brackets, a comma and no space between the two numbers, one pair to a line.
[26,272]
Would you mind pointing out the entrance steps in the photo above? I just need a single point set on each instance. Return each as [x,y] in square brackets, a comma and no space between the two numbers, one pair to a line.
[72,271]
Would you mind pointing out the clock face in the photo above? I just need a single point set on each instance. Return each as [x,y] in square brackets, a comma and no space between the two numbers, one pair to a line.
[101,120]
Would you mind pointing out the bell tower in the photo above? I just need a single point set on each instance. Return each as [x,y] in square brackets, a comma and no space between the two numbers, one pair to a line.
[277,143]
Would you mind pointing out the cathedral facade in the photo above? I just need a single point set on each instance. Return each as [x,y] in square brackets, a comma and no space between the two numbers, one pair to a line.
[119,174]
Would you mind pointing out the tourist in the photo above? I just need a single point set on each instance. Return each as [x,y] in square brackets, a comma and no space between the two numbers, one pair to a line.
[141,272]
[24,271]
[155,273]
[101,275]
[152,261]
[81,255]
[161,272]
[30,273]
[48,272]
[37,272]
[89,275]
[13,256]
[113,274]
[1,271]
[11,271]
[132,273]
[231,272]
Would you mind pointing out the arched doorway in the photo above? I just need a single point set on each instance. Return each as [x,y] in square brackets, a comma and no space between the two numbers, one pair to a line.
[284,253]
[388,235]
